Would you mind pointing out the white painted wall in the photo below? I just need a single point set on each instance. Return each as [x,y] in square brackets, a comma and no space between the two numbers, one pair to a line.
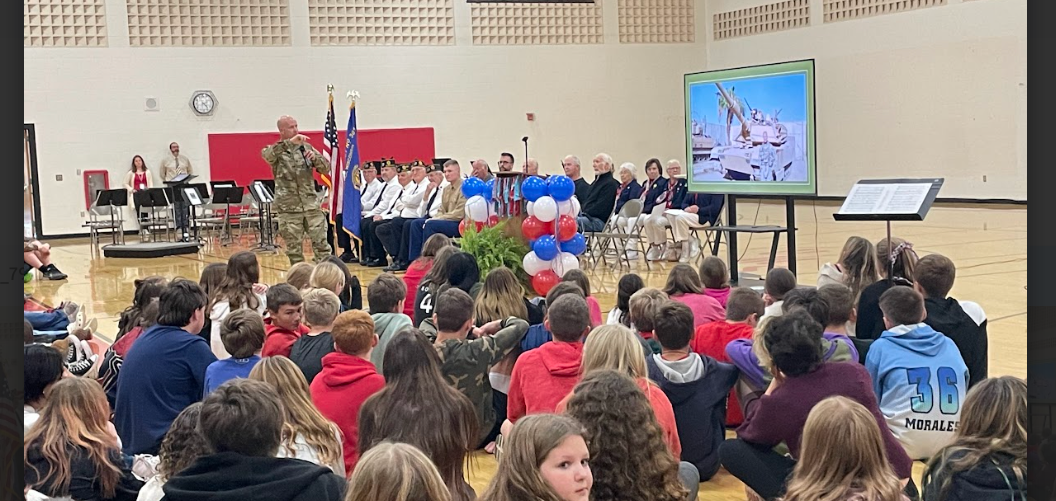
[940,91]
[934,92]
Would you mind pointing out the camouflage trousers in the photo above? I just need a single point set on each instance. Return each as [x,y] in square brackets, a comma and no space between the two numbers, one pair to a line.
[293,226]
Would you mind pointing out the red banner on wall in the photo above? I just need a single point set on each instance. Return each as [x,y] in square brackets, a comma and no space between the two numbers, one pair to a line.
[236,156]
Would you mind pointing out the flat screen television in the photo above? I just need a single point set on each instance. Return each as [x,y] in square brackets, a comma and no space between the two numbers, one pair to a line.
[750,130]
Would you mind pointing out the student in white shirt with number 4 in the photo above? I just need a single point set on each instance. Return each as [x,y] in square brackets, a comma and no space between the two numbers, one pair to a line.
[919,376]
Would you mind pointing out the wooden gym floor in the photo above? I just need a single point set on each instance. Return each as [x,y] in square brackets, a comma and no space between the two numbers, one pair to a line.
[987,242]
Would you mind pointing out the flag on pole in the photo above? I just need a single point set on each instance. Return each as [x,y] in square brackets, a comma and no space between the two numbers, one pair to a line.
[332,154]
[351,203]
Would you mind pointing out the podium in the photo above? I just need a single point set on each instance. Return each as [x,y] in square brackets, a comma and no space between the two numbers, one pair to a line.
[889,200]
[507,195]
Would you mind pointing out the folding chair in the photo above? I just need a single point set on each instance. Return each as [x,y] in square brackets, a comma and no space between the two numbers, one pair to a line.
[617,238]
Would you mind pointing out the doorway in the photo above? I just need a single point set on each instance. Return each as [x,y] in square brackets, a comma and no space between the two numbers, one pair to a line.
[31,226]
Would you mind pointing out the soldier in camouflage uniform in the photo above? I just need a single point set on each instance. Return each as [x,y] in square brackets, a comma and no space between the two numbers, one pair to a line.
[465,362]
[292,161]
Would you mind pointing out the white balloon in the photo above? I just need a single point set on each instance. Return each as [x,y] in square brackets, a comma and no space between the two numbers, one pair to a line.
[564,262]
[533,265]
[530,208]
[545,209]
[477,208]
[569,207]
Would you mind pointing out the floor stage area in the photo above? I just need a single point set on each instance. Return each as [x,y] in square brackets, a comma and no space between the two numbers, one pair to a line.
[988,243]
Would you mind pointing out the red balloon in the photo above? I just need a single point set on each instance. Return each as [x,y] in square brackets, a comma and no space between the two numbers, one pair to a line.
[543,281]
[493,220]
[462,226]
[566,228]
[533,228]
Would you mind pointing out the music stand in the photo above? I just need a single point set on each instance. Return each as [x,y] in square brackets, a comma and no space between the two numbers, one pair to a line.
[154,198]
[113,198]
[264,197]
[178,204]
[889,200]
[227,195]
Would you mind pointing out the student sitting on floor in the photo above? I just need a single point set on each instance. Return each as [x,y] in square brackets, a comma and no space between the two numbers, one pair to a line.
[244,465]
[918,375]
[716,278]
[320,309]
[962,321]
[386,295]
[283,324]
[779,281]
[243,335]
[742,312]
[696,385]
[801,380]
[542,377]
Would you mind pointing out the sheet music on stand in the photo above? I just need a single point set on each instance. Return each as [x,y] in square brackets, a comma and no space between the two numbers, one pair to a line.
[882,199]
[889,200]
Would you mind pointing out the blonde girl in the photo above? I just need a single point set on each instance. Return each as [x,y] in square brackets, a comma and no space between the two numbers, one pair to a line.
[842,457]
[306,434]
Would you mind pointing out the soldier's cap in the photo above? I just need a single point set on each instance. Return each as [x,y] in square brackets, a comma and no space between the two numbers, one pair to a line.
[373,164]
[416,163]
[401,168]
[434,168]
[439,162]
[389,162]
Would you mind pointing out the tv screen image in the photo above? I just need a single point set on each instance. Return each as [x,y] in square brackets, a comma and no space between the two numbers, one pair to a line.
[750,131]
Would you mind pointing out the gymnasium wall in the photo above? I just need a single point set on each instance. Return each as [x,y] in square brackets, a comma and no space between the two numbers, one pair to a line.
[936,89]
[470,73]
[904,88]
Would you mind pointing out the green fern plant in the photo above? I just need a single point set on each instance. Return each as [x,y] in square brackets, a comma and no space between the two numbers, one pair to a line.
[494,248]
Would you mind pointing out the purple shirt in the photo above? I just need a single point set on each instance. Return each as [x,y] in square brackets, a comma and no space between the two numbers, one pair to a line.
[741,355]
[782,415]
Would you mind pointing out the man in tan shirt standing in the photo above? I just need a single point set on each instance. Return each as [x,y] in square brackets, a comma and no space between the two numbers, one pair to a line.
[173,165]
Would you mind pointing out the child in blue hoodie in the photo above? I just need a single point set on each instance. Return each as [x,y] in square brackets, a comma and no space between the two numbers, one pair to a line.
[918,374]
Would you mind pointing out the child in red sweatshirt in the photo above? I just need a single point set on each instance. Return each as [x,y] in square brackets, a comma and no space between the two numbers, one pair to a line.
[543,376]
[282,327]
[743,310]
[348,378]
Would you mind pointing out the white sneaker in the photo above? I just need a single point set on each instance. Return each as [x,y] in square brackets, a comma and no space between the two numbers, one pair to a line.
[683,255]
[632,255]
[653,253]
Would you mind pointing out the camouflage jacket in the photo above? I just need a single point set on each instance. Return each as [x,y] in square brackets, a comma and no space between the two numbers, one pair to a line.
[465,364]
[294,183]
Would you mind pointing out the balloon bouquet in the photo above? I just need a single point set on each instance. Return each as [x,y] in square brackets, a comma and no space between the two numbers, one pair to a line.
[551,230]
[478,204]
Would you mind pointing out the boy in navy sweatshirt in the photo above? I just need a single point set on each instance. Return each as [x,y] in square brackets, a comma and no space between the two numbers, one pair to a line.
[696,385]
[962,321]
[918,375]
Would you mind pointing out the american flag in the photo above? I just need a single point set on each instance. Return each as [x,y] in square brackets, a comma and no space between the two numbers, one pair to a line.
[332,154]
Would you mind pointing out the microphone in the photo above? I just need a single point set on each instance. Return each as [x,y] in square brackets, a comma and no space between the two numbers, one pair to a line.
[525,139]
[304,156]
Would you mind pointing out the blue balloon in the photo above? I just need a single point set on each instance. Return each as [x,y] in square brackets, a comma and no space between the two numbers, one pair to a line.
[575,245]
[489,189]
[545,247]
[533,187]
[472,187]
[561,187]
